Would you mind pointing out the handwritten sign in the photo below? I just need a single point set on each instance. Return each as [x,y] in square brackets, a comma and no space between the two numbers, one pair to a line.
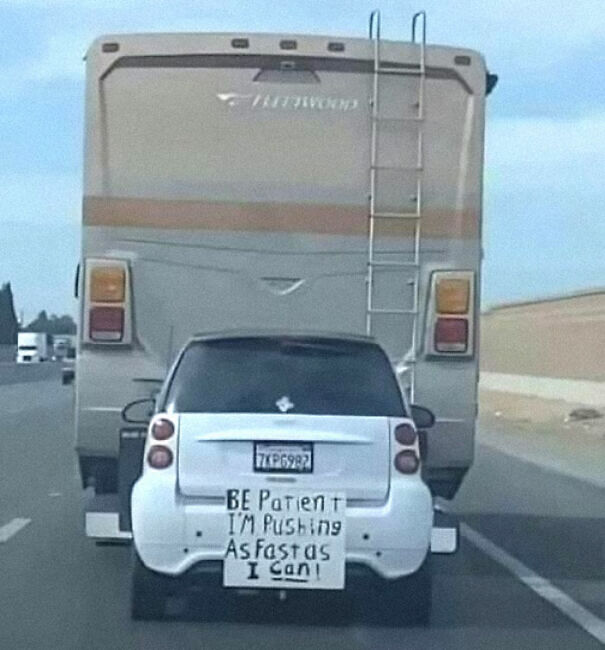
[285,539]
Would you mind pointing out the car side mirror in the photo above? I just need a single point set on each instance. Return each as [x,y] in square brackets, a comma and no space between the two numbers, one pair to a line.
[136,412]
[423,418]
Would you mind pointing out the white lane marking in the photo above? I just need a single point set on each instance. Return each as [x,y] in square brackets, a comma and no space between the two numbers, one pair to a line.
[592,624]
[12,528]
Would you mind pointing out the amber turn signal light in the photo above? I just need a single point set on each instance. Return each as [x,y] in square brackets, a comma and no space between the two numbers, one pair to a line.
[453,295]
[107,284]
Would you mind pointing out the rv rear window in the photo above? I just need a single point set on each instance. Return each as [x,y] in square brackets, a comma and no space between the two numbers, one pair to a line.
[313,376]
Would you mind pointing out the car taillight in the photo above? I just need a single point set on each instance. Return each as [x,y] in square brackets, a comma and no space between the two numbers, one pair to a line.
[451,335]
[106,324]
[162,429]
[405,434]
[407,462]
[159,457]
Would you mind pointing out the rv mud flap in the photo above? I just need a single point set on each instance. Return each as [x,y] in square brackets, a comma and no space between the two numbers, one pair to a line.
[445,534]
[107,516]
[132,445]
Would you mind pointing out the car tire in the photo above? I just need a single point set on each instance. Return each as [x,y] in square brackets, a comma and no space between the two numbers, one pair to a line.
[148,592]
[409,598]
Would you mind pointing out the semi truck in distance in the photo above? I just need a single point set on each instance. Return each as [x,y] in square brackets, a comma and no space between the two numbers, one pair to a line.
[291,182]
[33,347]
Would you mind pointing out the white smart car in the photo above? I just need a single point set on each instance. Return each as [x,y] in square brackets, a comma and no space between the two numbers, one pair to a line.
[282,462]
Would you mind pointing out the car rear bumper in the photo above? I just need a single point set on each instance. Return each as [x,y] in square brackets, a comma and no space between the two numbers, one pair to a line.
[207,576]
[173,535]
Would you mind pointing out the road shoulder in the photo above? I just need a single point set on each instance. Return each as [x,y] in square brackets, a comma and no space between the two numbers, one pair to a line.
[538,431]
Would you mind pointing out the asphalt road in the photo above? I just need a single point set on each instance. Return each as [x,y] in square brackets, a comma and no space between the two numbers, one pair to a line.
[15,373]
[59,590]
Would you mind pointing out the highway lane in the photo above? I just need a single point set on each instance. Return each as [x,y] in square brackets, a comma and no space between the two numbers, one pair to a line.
[14,373]
[58,590]
[553,523]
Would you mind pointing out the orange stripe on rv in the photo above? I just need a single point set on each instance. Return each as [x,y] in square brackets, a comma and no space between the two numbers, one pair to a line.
[267,217]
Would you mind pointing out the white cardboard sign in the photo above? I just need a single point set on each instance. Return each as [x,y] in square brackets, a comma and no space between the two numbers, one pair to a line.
[285,539]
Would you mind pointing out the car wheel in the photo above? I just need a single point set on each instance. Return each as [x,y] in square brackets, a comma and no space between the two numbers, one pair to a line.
[409,598]
[148,592]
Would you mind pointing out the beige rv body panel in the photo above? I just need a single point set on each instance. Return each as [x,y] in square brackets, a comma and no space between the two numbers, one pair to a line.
[235,183]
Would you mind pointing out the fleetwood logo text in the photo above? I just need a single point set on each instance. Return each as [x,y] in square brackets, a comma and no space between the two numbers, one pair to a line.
[293,102]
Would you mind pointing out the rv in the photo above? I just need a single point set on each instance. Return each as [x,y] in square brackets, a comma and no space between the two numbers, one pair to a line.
[33,347]
[287,182]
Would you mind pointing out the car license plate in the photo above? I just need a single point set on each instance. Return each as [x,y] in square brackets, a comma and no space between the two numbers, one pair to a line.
[283,457]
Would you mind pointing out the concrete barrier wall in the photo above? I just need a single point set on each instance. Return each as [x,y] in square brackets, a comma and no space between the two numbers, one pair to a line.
[20,373]
[588,393]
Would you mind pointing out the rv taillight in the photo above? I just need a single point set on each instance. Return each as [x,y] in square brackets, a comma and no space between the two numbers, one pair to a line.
[106,324]
[107,284]
[453,295]
[159,457]
[451,314]
[451,335]
[107,309]
[162,429]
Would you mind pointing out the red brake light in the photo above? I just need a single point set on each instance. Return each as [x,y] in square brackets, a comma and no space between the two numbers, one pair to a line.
[162,429]
[407,462]
[405,434]
[451,335]
[159,457]
[106,324]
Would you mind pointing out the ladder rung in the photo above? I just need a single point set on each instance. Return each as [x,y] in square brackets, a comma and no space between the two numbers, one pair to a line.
[394,312]
[416,118]
[397,265]
[397,168]
[400,71]
[396,215]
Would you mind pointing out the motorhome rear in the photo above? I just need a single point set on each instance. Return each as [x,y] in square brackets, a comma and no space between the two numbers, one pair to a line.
[283,181]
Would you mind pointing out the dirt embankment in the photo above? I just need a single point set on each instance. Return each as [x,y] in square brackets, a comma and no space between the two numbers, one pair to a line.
[561,338]
[554,338]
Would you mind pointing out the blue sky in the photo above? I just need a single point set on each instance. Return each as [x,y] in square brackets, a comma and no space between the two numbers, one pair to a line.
[545,164]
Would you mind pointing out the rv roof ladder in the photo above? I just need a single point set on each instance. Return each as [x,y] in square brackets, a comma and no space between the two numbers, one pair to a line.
[381,211]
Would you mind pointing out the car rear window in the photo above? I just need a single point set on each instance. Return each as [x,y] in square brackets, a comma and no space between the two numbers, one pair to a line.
[268,375]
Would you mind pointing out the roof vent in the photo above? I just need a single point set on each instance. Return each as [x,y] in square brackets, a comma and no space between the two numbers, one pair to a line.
[288,45]
[462,59]
[240,43]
